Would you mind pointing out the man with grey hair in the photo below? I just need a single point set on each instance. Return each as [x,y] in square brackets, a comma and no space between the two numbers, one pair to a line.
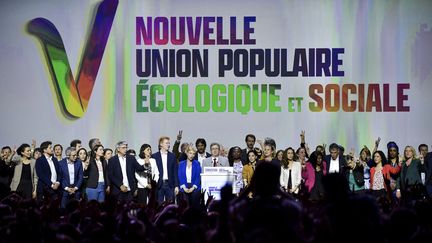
[121,173]
[216,160]
[93,142]
[71,171]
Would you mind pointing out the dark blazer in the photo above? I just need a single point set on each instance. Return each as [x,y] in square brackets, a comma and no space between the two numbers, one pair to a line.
[428,168]
[6,172]
[115,175]
[342,164]
[92,174]
[171,167]
[44,173]
[244,157]
[410,176]
[196,156]
[196,174]
[78,173]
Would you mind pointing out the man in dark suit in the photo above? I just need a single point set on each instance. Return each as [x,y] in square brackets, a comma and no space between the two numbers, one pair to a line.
[428,177]
[336,163]
[201,154]
[72,176]
[121,173]
[250,140]
[168,172]
[48,172]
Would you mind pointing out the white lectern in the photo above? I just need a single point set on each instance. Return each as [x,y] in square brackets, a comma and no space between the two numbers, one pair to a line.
[214,178]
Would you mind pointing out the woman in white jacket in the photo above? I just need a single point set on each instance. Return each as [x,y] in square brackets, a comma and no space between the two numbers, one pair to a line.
[144,178]
[290,177]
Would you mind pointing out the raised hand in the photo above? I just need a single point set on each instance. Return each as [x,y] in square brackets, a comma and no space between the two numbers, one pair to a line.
[377,142]
[302,136]
[209,198]
[180,135]
[307,149]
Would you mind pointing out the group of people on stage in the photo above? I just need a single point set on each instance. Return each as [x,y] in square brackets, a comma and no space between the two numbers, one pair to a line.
[75,173]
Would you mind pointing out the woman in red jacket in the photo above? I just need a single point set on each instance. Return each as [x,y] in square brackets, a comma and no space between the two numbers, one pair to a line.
[380,175]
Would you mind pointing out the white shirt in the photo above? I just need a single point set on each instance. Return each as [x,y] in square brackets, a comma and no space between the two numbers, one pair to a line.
[334,165]
[100,170]
[201,157]
[142,181]
[295,176]
[53,170]
[189,174]
[123,169]
[164,156]
[71,169]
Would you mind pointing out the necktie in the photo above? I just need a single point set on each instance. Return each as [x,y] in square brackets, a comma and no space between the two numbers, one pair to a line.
[214,162]
[289,180]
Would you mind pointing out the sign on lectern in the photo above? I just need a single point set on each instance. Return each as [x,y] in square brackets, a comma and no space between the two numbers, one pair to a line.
[214,178]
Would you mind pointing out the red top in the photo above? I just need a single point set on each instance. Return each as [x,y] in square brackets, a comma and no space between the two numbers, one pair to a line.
[386,171]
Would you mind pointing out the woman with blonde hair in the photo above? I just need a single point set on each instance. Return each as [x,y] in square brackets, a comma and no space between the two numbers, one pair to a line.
[410,176]
[189,175]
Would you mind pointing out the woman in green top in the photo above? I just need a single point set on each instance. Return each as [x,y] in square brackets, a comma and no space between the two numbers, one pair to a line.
[409,181]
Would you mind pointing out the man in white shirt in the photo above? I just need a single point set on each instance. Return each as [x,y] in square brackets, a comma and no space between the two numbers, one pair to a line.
[48,172]
[168,184]
[72,176]
[335,162]
[121,173]
[201,154]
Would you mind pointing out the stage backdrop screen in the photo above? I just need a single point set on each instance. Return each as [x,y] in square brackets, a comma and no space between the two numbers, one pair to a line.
[343,71]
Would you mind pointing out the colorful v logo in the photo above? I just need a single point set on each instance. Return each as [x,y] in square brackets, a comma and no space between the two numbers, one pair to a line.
[74,96]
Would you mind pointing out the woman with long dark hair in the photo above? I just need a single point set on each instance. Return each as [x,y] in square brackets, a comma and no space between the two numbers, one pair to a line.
[150,172]
[249,167]
[290,177]
[97,181]
[380,175]
[24,181]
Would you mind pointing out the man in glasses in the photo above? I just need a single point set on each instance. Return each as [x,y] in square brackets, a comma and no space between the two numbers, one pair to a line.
[71,176]
[121,173]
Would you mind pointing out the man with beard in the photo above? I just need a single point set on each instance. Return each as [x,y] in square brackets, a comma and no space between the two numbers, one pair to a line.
[48,171]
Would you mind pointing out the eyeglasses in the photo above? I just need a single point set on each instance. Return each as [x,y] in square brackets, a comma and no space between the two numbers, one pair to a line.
[123,147]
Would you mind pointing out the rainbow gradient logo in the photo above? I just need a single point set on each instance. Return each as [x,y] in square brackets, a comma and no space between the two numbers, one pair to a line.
[74,96]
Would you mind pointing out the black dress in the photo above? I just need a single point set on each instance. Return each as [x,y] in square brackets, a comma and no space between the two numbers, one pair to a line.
[25,186]
[317,192]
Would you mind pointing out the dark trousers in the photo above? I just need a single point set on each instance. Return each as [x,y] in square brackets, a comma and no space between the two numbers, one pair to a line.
[142,195]
[429,190]
[66,197]
[48,192]
[165,192]
[379,193]
[124,196]
[192,198]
